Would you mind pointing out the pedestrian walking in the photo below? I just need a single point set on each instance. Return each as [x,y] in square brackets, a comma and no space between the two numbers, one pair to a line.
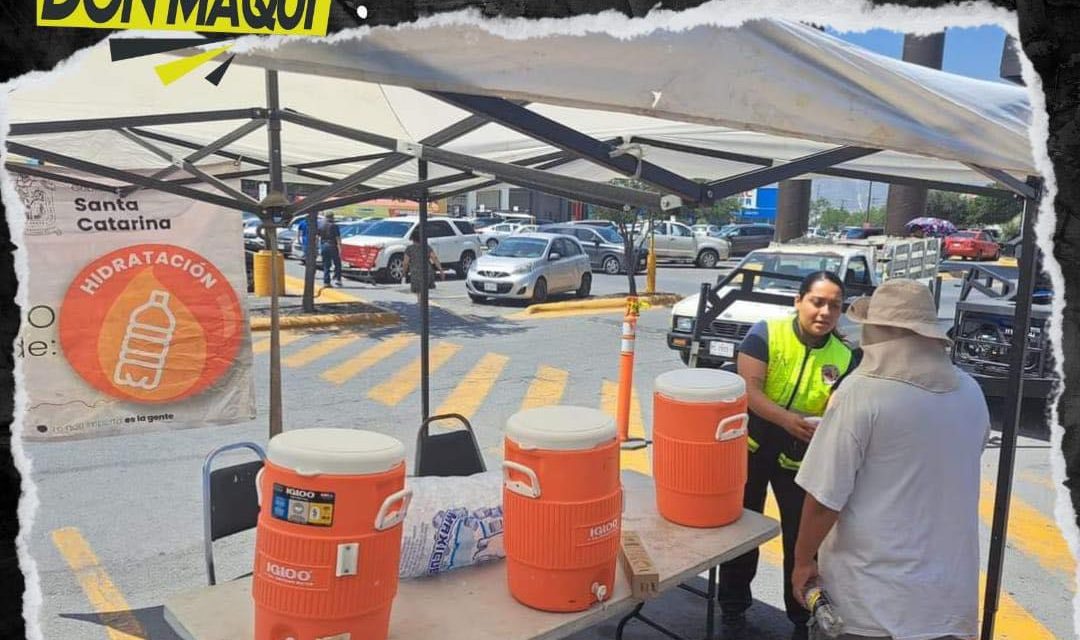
[414,264]
[330,248]
[789,365]
[890,525]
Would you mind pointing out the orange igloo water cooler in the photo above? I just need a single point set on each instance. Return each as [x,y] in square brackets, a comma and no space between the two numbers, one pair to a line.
[562,507]
[699,446]
[328,541]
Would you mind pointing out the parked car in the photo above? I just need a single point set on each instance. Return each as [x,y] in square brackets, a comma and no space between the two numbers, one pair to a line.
[379,251]
[483,222]
[705,230]
[610,224]
[490,236]
[861,233]
[976,245]
[348,229]
[530,266]
[745,238]
[982,331]
[605,247]
[676,241]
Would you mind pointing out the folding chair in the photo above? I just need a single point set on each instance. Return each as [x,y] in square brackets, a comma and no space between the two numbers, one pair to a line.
[230,501]
[453,453]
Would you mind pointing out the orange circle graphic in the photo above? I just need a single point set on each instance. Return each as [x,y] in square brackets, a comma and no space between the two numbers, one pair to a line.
[151,323]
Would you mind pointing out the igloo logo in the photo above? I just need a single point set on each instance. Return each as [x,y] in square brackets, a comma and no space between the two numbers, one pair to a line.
[289,574]
[603,530]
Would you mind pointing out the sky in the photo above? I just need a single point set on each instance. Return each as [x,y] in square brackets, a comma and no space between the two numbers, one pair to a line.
[969,52]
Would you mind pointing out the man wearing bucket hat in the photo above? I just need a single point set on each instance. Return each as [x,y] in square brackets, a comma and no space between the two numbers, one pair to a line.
[890,518]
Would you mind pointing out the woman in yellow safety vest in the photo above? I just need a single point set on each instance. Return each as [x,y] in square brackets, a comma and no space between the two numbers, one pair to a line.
[789,365]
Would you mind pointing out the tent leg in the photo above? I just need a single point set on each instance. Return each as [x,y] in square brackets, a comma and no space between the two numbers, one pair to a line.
[425,389]
[276,186]
[1013,404]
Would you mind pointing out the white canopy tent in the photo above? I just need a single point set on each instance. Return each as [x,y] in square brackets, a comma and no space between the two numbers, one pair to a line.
[774,90]
[738,107]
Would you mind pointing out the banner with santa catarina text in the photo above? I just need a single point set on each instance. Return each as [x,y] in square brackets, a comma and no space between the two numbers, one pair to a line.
[135,319]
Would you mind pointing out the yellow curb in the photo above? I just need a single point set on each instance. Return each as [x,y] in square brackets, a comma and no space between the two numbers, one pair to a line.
[375,319]
[1007,262]
[659,300]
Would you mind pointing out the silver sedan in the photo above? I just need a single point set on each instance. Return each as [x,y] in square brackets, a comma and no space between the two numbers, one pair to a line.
[530,266]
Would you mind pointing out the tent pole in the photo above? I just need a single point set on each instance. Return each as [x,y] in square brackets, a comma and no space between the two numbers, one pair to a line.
[1013,405]
[425,400]
[276,186]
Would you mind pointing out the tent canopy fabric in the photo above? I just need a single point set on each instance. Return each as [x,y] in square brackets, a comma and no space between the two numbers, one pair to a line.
[768,88]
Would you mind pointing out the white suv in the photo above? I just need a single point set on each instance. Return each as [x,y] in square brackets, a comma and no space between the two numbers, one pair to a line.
[380,251]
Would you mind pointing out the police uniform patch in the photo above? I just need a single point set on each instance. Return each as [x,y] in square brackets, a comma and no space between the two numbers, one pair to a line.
[830,373]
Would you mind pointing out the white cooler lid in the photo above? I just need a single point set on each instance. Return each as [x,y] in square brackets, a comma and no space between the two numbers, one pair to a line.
[700,386]
[335,451]
[560,428]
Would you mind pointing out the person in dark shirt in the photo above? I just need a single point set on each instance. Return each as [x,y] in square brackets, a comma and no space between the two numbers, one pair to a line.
[330,248]
[789,365]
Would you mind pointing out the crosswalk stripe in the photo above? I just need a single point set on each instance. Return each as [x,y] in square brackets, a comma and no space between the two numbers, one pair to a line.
[342,373]
[546,388]
[284,338]
[1013,622]
[469,394]
[113,610]
[404,382]
[773,550]
[636,460]
[318,350]
[1032,532]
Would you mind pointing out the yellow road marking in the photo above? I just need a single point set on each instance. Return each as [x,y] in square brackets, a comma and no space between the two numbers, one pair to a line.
[318,350]
[104,596]
[368,358]
[1012,621]
[1031,532]
[469,394]
[284,338]
[567,313]
[404,382]
[295,286]
[773,550]
[546,388]
[637,460]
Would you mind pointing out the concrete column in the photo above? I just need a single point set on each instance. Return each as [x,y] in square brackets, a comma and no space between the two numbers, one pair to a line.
[504,198]
[905,203]
[1010,62]
[470,203]
[792,209]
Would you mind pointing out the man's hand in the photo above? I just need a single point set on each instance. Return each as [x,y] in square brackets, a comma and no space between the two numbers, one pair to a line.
[799,427]
[803,573]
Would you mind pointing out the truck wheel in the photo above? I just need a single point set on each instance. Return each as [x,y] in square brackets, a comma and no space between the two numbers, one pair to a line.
[611,266]
[492,243]
[465,263]
[708,259]
[395,268]
[477,299]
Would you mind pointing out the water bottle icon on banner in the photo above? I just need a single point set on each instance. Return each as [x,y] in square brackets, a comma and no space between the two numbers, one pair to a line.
[146,343]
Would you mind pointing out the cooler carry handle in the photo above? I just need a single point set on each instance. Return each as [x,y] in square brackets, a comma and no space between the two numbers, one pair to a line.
[723,433]
[384,521]
[531,490]
[258,487]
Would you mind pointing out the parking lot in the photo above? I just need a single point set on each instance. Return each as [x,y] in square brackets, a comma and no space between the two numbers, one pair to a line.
[119,526]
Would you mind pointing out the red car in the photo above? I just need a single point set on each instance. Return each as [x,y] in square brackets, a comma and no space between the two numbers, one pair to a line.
[977,245]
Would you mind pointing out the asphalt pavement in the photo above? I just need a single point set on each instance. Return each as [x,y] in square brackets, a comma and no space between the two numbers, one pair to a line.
[119,524]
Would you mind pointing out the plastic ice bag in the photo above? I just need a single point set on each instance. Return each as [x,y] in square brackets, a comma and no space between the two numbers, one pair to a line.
[452,522]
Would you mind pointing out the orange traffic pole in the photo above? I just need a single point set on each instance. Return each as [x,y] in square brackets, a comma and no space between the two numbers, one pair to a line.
[626,368]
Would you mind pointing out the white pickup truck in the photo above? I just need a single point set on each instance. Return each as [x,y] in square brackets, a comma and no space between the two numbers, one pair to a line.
[862,266]
[379,251]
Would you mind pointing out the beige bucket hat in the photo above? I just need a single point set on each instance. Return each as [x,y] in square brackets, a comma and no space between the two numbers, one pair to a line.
[901,303]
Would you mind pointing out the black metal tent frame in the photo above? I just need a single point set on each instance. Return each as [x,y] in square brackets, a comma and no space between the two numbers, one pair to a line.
[674,191]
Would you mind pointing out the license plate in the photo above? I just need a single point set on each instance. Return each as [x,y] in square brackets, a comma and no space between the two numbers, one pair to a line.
[491,286]
[722,349]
